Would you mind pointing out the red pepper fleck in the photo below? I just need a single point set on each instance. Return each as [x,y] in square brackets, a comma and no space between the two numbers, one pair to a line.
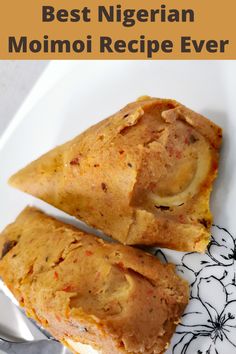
[178,154]
[121,344]
[150,292]
[68,288]
[75,161]
[88,253]
[31,270]
[56,276]
[121,265]
[214,165]
[186,141]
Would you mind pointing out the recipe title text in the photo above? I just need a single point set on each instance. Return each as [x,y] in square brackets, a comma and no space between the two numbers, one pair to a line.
[109,43]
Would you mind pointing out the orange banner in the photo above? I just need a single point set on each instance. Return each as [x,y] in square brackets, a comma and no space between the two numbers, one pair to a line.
[134,29]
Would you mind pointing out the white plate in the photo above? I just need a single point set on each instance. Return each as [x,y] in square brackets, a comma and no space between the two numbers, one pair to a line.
[70,97]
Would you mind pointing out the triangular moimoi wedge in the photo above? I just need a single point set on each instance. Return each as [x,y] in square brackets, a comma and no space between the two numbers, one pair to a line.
[142,176]
[81,289]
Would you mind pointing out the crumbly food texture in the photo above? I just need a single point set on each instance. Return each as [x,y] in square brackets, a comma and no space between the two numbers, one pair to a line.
[143,176]
[113,297]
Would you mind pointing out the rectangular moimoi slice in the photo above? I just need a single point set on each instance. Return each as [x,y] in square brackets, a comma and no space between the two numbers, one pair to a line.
[143,176]
[81,289]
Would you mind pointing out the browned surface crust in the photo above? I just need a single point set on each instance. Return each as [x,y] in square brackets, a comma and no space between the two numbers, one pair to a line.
[105,176]
[113,297]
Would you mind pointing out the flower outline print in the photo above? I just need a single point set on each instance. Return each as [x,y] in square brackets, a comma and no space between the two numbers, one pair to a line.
[208,325]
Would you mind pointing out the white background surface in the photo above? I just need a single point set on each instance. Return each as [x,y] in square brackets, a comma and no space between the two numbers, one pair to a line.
[71,96]
[17,80]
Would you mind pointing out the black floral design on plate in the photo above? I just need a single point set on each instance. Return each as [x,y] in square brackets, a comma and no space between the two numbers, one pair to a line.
[208,325]
[208,322]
